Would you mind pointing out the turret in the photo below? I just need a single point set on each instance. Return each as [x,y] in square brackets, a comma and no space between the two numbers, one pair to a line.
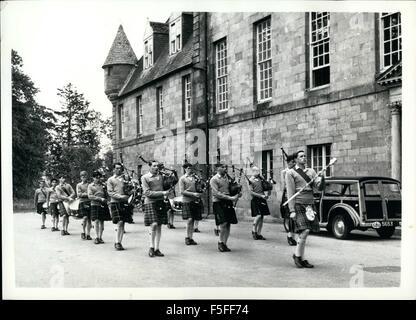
[120,60]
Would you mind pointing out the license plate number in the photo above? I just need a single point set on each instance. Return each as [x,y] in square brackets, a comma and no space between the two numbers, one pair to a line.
[387,223]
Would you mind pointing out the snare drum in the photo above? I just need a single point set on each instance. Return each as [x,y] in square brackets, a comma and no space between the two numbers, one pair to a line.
[176,203]
[74,204]
[45,205]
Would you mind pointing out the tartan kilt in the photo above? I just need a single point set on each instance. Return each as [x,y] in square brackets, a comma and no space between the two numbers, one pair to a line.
[53,209]
[301,222]
[259,207]
[85,209]
[62,210]
[39,208]
[121,212]
[155,212]
[192,210]
[224,212]
[284,210]
[101,213]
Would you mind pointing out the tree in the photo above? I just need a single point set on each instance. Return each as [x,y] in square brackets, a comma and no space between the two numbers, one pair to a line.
[31,124]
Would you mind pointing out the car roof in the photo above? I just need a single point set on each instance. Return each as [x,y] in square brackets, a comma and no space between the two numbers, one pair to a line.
[362,178]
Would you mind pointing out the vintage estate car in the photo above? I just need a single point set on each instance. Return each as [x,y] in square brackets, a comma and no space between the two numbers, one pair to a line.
[349,203]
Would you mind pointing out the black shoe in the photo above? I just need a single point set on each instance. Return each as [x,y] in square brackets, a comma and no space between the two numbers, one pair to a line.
[97,241]
[53,229]
[221,247]
[158,253]
[43,226]
[101,240]
[298,261]
[226,249]
[118,246]
[260,237]
[291,241]
[83,236]
[192,242]
[151,252]
[57,229]
[187,241]
[88,237]
[67,233]
[63,233]
[306,264]
[196,230]
[168,225]
[254,234]
[172,226]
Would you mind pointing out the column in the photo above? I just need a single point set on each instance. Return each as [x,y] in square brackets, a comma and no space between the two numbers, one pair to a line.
[396,139]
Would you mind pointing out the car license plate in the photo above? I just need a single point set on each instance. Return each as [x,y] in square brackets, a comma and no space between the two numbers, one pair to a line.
[387,223]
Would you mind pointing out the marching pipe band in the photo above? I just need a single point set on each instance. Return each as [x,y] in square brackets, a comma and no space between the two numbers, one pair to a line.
[115,198]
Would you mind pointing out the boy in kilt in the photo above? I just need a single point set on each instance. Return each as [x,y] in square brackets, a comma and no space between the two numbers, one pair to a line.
[40,200]
[52,202]
[97,193]
[223,205]
[154,207]
[84,205]
[284,210]
[259,207]
[302,208]
[65,193]
[119,208]
[192,204]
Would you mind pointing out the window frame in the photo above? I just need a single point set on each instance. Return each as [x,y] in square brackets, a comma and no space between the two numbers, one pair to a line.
[399,51]
[139,115]
[176,33]
[317,43]
[159,106]
[263,62]
[148,54]
[121,121]
[325,158]
[187,99]
[221,76]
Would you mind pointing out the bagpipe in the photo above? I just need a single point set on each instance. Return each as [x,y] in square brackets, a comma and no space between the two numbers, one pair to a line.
[233,184]
[267,185]
[132,187]
[201,185]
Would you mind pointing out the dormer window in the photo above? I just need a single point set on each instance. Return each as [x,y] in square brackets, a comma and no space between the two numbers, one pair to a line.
[175,36]
[148,53]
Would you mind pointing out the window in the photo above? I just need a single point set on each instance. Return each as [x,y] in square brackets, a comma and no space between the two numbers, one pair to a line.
[109,70]
[121,121]
[264,60]
[148,53]
[391,39]
[175,36]
[319,49]
[221,75]
[319,157]
[159,101]
[139,115]
[264,161]
[187,97]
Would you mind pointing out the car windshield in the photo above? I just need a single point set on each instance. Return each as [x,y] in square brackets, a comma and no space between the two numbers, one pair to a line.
[391,190]
[348,189]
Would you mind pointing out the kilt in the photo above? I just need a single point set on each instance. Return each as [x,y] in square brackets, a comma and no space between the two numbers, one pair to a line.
[259,207]
[62,210]
[224,212]
[192,210]
[121,212]
[101,213]
[302,222]
[85,209]
[155,212]
[39,208]
[53,209]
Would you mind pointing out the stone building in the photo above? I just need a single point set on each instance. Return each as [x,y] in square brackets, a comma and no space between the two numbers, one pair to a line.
[248,84]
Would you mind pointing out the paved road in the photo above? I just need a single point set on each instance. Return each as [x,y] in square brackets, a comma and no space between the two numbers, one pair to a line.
[41,255]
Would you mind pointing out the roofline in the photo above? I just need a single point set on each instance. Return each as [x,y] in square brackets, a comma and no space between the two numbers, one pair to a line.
[118,64]
[362,178]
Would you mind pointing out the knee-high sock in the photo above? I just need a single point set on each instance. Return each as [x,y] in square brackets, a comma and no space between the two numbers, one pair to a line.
[152,235]
[158,236]
[43,219]
[120,231]
[227,233]
[223,232]
[84,224]
[88,227]
[300,248]
[101,224]
[97,228]
[260,225]
[189,228]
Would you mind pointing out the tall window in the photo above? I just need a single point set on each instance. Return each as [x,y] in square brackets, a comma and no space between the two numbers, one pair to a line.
[319,157]
[319,49]
[148,53]
[264,161]
[391,39]
[175,36]
[187,97]
[159,101]
[139,115]
[221,75]
[264,60]
[121,121]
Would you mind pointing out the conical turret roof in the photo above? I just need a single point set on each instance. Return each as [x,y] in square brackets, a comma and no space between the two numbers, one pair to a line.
[121,51]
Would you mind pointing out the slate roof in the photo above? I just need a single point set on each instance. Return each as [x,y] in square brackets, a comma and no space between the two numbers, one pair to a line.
[121,51]
[391,76]
[164,65]
[159,27]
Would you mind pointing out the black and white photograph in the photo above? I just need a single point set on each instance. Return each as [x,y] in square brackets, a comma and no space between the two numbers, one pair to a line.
[208,150]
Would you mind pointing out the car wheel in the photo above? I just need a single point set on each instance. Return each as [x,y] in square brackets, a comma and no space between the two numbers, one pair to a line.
[286,223]
[385,232]
[341,226]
